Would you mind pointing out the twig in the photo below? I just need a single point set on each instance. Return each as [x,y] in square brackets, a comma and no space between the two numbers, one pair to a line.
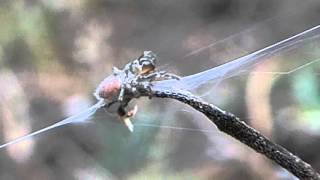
[232,125]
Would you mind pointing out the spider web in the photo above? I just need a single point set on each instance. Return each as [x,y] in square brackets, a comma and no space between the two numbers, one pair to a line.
[213,77]
[296,45]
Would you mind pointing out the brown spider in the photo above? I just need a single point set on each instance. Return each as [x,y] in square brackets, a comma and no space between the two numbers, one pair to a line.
[112,89]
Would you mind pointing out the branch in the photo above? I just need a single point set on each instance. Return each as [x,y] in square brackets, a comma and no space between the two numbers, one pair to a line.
[233,126]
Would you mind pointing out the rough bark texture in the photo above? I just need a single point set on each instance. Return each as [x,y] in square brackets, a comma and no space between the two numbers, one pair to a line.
[238,129]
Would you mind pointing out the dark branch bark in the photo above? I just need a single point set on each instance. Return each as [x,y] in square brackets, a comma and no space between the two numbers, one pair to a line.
[232,125]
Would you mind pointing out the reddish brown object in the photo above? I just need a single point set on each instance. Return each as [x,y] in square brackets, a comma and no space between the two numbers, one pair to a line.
[109,88]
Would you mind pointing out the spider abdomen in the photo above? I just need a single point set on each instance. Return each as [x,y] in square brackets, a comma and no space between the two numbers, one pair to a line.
[109,88]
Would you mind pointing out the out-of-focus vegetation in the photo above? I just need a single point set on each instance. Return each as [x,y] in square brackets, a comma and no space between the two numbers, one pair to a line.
[54,53]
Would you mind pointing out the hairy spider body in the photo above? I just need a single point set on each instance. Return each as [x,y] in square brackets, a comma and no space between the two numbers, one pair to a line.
[109,88]
[140,71]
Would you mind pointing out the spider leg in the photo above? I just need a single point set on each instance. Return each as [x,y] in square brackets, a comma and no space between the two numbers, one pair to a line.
[167,75]
[154,76]
[126,115]
[121,93]
[146,85]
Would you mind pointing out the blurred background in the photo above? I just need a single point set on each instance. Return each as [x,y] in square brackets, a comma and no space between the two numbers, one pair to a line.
[53,54]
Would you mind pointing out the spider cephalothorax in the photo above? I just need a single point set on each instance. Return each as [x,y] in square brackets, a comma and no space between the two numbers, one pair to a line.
[112,89]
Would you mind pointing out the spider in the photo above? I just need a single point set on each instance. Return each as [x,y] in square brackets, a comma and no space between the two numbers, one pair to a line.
[113,88]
